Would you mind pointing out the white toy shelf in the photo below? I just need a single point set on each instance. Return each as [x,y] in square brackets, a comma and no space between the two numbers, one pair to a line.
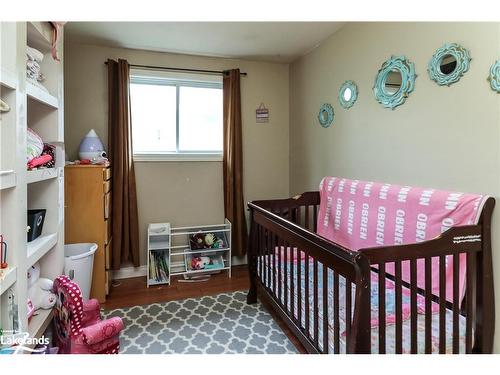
[20,190]
[170,252]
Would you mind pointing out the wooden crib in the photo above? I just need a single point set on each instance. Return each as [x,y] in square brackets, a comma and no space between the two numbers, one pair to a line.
[291,224]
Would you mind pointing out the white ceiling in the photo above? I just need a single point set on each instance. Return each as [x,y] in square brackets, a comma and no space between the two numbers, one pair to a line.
[265,41]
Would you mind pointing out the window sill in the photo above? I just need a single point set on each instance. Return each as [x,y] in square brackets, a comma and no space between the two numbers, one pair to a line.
[140,158]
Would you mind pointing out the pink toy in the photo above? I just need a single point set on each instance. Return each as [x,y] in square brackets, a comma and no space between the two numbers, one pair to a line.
[199,263]
[31,308]
[78,325]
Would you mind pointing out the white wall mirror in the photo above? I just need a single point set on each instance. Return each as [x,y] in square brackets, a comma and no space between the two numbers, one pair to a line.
[393,82]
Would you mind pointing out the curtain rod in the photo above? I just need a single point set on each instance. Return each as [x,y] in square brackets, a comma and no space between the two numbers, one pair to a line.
[152,67]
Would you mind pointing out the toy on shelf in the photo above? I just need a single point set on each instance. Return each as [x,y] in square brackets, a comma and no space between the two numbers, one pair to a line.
[40,289]
[38,153]
[3,253]
[200,241]
[199,263]
[211,262]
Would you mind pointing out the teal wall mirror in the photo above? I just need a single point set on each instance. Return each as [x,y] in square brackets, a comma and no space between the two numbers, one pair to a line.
[494,77]
[326,115]
[394,82]
[448,64]
[348,94]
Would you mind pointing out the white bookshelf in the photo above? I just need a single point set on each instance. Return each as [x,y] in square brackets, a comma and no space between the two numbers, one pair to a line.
[174,246]
[7,179]
[42,174]
[20,190]
[41,96]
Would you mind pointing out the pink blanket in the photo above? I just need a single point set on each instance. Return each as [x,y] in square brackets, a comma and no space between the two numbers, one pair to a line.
[359,214]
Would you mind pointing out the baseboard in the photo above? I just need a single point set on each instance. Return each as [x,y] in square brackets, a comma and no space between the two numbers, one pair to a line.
[128,272]
[238,261]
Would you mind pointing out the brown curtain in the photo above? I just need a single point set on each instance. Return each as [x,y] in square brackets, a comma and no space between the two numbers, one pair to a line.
[234,208]
[124,213]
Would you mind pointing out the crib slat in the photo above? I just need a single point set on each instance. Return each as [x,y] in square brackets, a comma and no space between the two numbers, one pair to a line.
[292,282]
[265,256]
[413,306]
[285,274]
[306,297]
[470,298]
[428,300]
[280,281]
[399,309]
[298,214]
[260,251]
[270,260]
[442,304]
[316,302]
[325,309]
[348,310]
[336,320]
[273,245]
[381,308]
[456,306]
[299,288]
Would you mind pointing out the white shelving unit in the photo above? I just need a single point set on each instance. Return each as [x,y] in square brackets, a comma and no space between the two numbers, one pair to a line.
[20,190]
[7,179]
[42,174]
[159,236]
[172,246]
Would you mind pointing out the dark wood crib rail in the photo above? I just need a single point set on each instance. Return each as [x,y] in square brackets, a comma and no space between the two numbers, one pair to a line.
[290,225]
[276,224]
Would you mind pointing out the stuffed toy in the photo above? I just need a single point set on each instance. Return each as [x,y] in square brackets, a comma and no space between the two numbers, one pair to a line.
[210,239]
[40,289]
[197,241]
[199,263]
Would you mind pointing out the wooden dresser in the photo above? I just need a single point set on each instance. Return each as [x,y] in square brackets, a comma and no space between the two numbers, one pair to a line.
[88,218]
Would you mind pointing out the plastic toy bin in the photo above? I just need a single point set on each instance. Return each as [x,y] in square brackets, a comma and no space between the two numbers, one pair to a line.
[78,265]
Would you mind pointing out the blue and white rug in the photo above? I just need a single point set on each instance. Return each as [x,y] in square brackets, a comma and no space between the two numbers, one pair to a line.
[220,324]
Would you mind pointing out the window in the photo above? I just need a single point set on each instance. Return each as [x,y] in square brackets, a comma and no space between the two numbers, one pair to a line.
[176,116]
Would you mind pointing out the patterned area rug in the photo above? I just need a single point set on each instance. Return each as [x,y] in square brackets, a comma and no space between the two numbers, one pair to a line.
[218,324]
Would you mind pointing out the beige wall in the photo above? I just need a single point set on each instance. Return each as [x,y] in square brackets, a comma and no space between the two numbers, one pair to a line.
[186,193]
[442,137]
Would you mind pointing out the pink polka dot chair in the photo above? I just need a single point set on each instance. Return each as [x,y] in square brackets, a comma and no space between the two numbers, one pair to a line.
[78,325]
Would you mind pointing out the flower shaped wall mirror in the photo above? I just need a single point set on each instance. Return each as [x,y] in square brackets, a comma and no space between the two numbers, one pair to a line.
[448,64]
[348,94]
[326,115]
[494,77]
[394,82]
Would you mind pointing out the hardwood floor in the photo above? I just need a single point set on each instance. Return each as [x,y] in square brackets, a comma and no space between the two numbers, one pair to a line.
[134,291]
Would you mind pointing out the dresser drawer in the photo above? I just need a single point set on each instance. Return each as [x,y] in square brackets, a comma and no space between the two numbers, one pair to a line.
[107,205]
[106,174]
[106,186]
